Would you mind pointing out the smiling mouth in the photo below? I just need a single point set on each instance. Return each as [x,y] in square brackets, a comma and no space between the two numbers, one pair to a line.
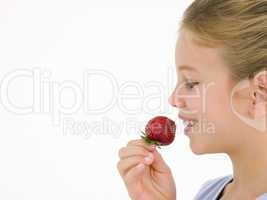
[190,123]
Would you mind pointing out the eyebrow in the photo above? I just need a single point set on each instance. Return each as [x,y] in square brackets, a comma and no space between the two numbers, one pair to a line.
[186,67]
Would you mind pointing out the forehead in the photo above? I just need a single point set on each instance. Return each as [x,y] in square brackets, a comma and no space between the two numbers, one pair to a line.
[188,55]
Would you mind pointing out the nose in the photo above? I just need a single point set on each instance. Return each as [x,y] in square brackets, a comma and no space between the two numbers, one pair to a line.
[176,101]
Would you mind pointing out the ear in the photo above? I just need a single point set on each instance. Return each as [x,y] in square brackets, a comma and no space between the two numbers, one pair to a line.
[258,95]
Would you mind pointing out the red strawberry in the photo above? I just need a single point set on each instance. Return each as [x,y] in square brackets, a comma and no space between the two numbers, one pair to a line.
[159,130]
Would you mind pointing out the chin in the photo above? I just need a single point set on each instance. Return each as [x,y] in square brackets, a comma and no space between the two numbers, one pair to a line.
[196,152]
[200,149]
[197,149]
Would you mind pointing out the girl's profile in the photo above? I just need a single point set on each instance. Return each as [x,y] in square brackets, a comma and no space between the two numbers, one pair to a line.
[221,55]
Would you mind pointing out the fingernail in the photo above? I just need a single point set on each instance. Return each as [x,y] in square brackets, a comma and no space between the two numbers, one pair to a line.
[153,146]
[149,157]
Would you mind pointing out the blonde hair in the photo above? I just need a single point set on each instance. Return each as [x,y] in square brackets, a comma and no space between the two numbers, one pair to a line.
[238,26]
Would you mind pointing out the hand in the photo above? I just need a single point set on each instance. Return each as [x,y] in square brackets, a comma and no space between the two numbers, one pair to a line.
[145,173]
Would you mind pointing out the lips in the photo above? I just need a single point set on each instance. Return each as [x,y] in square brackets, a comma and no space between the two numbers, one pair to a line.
[188,122]
[184,118]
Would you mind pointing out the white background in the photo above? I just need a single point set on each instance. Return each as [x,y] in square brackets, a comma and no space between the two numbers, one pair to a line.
[132,41]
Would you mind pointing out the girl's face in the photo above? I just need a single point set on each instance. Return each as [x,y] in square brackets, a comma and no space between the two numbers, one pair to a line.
[203,93]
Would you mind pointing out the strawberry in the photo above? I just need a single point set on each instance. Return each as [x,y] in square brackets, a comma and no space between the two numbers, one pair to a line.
[160,131]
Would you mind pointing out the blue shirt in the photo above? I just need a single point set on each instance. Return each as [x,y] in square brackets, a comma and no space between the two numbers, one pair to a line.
[212,189]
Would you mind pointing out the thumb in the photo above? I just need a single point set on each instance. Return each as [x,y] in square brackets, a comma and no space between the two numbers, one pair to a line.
[159,164]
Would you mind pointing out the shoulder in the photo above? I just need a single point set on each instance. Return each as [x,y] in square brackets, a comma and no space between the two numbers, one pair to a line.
[212,187]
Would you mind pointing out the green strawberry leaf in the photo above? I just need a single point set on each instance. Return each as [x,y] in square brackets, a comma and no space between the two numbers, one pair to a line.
[148,141]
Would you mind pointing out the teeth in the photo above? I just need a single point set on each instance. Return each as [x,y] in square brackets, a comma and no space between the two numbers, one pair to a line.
[189,123]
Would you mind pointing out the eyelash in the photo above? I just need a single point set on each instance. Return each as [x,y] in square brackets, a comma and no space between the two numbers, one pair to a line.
[190,85]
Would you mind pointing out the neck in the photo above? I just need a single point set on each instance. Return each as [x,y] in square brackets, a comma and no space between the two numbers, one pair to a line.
[250,168]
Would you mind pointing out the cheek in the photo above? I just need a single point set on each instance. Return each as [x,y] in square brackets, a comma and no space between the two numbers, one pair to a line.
[195,106]
[217,107]
[193,103]
[218,115]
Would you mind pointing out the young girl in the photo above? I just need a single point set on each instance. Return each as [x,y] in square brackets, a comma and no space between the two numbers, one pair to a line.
[221,61]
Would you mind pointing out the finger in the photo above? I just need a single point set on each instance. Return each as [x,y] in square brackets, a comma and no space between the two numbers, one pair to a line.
[132,151]
[159,164]
[126,164]
[134,174]
[142,143]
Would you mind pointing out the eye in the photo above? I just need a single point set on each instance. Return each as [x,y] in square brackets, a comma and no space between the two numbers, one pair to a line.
[190,84]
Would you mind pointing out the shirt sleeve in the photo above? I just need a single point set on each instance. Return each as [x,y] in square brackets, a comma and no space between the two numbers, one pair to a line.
[209,189]
[203,190]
